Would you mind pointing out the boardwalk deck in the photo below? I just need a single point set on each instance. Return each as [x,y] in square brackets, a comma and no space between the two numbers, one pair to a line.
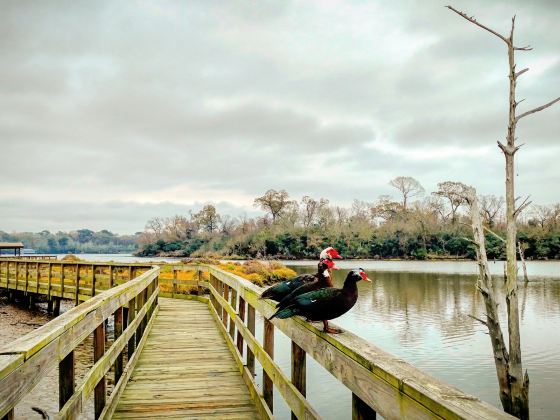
[185,370]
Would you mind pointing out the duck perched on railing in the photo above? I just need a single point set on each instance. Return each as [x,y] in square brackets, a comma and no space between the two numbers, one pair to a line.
[325,304]
[280,290]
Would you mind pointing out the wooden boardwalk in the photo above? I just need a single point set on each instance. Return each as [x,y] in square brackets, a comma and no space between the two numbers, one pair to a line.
[185,370]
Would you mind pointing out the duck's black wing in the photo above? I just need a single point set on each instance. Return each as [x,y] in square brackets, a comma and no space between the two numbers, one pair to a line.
[311,303]
[280,290]
[306,288]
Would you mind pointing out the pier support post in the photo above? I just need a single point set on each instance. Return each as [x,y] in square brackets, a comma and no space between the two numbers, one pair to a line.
[98,351]
[50,306]
[56,310]
[360,410]
[251,328]
[118,331]
[66,379]
[298,370]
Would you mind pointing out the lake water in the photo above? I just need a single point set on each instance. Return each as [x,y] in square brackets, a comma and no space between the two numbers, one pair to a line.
[419,311]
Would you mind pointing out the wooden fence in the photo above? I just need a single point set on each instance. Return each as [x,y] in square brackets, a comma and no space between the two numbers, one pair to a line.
[24,362]
[379,382]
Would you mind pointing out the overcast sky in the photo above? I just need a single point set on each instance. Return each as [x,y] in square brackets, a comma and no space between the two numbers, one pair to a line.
[115,112]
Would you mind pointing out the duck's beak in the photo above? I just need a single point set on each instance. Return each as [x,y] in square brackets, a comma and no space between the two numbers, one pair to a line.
[367,279]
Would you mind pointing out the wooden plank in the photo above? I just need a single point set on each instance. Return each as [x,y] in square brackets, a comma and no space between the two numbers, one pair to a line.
[172,368]
[127,372]
[297,402]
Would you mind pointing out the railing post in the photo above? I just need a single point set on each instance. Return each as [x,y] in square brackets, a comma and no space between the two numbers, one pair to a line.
[131,315]
[224,312]
[77,284]
[93,291]
[298,370]
[66,379]
[241,311]
[174,289]
[251,328]
[199,278]
[98,351]
[139,304]
[268,345]
[111,280]
[38,274]
[231,320]
[9,415]
[118,317]
[50,284]
[360,410]
[61,280]
[26,268]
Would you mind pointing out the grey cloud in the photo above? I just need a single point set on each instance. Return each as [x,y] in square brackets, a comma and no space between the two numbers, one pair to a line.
[141,97]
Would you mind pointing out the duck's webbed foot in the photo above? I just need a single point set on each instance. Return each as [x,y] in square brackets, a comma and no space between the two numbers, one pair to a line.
[330,330]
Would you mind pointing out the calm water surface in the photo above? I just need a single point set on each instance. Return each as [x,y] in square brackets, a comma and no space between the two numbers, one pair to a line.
[419,311]
[423,318]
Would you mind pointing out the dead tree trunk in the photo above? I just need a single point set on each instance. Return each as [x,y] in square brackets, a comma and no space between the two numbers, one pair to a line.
[521,250]
[486,287]
[518,404]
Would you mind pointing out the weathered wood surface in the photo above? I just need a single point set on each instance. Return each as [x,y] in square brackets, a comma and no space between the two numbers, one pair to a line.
[24,362]
[185,370]
[387,384]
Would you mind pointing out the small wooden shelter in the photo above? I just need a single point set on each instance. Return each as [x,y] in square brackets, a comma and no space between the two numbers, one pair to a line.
[15,246]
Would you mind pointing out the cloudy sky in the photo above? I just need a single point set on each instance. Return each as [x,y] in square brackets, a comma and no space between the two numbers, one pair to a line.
[115,112]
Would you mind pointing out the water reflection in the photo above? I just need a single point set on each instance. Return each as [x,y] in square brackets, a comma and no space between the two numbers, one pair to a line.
[424,319]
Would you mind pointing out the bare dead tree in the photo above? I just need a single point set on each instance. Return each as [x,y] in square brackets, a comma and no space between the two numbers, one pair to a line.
[485,286]
[517,402]
[451,190]
[408,186]
[491,206]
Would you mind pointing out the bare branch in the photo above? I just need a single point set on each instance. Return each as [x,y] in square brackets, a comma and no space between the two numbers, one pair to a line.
[540,108]
[522,207]
[471,241]
[477,319]
[494,234]
[473,20]
[519,73]
[525,48]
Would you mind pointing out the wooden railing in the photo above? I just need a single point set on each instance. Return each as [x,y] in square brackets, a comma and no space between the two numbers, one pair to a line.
[379,382]
[24,362]
[77,281]
[31,257]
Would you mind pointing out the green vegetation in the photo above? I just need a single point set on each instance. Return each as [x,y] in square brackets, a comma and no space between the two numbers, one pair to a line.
[75,242]
[433,227]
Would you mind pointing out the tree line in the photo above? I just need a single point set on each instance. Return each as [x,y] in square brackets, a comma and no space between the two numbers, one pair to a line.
[413,224]
[75,242]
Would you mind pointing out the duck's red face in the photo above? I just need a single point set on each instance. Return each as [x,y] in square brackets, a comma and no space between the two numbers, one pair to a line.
[364,276]
[330,265]
[333,253]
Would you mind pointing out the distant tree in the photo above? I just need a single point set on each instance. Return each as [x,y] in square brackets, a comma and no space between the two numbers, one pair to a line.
[84,235]
[452,191]
[208,218]
[490,206]
[273,202]
[408,186]
[385,208]
[310,209]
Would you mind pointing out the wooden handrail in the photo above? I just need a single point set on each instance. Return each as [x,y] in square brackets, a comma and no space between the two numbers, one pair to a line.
[379,382]
[24,362]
